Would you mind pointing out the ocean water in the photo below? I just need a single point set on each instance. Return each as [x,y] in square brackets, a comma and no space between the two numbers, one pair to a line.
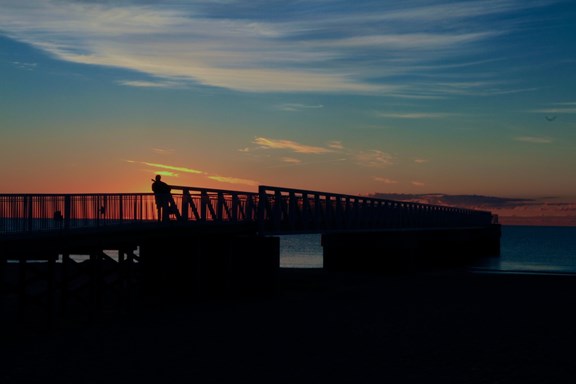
[536,249]
[523,249]
[301,251]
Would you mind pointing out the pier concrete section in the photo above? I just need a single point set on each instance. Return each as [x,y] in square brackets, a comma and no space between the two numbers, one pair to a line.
[44,278]
[209,265]
[410,248]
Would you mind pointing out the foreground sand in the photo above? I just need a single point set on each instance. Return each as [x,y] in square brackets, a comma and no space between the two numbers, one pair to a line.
[420,327]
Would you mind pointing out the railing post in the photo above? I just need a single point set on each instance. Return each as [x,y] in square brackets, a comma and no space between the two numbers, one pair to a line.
[305,217]
[317,210]
[28,209]
[344,211]
[100,208]
[292,209]
[220,207]
[329,211]
[277,209]
[339,215]
[234,215]
[185,204]
[67,212]
[121,207]
[261,210]
[204,201]
[251,210]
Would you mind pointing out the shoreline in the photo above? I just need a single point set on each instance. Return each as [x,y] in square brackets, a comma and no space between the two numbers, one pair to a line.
[447,326]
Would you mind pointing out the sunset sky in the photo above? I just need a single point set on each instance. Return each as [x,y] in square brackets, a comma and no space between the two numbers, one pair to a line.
[354,97]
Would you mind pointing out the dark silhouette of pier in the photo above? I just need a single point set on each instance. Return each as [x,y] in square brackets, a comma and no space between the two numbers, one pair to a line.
[59,252]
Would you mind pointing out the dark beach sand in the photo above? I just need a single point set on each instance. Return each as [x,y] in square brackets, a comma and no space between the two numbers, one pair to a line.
[425,327]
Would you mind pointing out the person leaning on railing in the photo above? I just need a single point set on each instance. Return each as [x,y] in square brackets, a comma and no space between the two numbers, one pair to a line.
[164,201]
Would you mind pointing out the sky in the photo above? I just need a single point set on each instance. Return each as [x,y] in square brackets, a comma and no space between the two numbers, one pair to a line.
[353,97]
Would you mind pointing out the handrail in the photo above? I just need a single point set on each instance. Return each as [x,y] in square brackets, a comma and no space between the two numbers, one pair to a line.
[289,209]
[210,190]
[275,209]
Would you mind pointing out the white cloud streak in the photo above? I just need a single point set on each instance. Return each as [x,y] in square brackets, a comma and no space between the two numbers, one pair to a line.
[25,66]
[292,107]
[230,45]
[373,158]
[415,115]
[163,151]
[385,180]
[291,160]
[534,139]
[267,143]
[365,158]
[234,180]
[173,168]
[567,107]
[148,84]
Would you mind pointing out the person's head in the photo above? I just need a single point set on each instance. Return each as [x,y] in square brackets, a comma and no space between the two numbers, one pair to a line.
[158,177]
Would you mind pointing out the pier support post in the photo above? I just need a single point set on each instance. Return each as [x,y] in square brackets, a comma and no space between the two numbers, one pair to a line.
[209,265]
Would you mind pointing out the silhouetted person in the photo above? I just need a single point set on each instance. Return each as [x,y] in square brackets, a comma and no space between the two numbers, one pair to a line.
[164,200]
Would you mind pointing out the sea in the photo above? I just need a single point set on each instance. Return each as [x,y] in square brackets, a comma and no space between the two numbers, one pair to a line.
[523,249]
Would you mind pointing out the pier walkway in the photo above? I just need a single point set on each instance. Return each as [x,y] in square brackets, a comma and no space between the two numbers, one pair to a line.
[61,250]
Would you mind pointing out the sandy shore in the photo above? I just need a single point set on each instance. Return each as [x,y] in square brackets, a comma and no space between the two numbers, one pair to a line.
[426,327]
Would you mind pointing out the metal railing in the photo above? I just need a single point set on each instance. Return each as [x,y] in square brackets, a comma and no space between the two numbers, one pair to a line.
[276,209]
[203,204]
[293,210]
[48,212]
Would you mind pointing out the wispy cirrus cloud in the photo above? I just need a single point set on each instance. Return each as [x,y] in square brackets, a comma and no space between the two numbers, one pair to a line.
[365,158]
[291,107]
[234,180]
[415,115]
[267,143]
[25,66]
[568,107]
[148,84]
[300,163]
[173,168]
[373,158]
[409,40]
[250,46]
[335,144]
[291,160]
[534,139]
[460,11]
[163,151]
[385,180]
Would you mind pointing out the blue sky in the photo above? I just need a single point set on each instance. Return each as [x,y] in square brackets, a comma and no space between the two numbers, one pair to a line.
[457,97]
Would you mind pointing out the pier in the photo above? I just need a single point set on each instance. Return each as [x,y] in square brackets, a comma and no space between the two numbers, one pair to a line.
[59,252]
